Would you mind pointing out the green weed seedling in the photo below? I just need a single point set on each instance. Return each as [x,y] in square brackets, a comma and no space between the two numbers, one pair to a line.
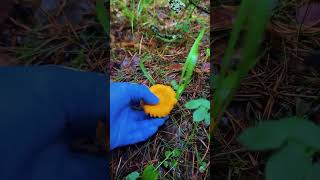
[171,158]
[184,26]
[294,140]
[133,12]
[149,173]
[227,81]
[102,15]
[207,53]
[188,67]
[201,109]
[187,70]
[202,164]
[133,176]
[144,70]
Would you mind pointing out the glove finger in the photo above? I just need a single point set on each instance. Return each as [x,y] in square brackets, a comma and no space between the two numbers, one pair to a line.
[142,134]
[142,116]
[145,129]
[157,121]
[139,92]
[138,115]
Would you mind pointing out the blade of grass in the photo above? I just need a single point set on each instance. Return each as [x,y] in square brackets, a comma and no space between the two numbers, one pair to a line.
[145,72]
[102,15]
[226,86]
[132,17]
[141,5]
[189,65]
[239,23]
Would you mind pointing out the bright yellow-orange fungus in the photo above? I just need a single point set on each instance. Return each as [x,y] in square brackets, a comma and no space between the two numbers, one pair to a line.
[167,100]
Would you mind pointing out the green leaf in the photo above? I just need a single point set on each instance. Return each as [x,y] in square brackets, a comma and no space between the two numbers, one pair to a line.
[267,135]
[224,87]
[255,26]
[205,103]
[102,15]
[207,119]
[289,163]
[179,25]
[202,167]
[176,153]
[315,173]
[185,27]
[141,6]
[132,176]
[174,164]
[194,104]
[305,132]
[189,65]
[208,52]
[199,114]
[167,154]
[150,173]
[145,72]
[165,163]
[272,134]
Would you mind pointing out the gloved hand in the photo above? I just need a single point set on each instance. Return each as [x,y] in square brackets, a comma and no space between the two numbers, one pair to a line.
[127,125]
[35,105]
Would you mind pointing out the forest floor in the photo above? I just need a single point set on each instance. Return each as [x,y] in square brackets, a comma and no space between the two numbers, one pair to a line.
[164,62]
[284,83]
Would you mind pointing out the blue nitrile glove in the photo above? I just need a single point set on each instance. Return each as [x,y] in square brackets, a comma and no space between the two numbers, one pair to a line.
[127,125]
[35,105]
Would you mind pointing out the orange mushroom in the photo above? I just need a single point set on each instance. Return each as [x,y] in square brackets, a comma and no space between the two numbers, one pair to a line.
[167,100]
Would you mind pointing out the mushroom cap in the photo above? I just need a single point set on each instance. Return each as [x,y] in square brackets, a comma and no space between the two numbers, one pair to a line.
[167,100]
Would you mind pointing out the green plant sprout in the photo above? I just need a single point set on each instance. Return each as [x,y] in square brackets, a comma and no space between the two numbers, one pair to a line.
[133,176]
[207,53]
[201,110]
[170,158]
[188,67]
[187,70]
[295,141]
[102,15]
[203,164]
[184,26]
[145,72]
[150,173]
[134,11]
[227,81]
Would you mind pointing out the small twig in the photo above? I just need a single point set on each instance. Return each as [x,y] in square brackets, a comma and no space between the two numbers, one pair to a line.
[140,45]
[118,166]
[19,24]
